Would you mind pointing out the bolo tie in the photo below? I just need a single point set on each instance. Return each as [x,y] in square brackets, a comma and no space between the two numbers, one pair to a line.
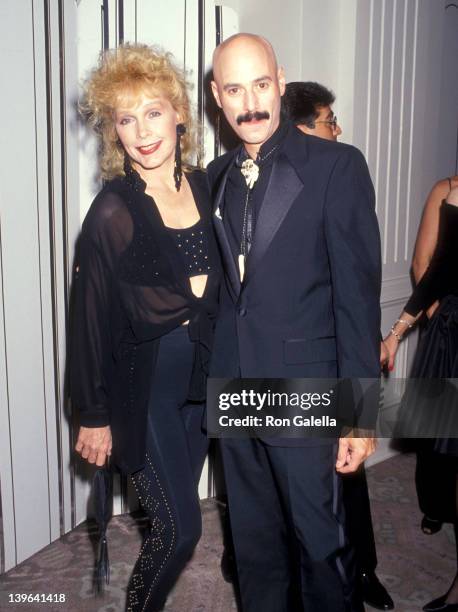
[250,171]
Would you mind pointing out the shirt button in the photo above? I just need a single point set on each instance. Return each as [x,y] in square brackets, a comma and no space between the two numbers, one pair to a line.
[242,311]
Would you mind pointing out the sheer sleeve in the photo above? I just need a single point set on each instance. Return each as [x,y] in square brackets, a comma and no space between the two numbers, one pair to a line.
[105,233]
[440,278]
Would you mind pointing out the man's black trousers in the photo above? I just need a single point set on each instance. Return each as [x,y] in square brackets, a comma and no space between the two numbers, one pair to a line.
[288,527]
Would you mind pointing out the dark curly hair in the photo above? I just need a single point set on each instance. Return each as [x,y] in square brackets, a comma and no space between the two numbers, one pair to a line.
[302,99]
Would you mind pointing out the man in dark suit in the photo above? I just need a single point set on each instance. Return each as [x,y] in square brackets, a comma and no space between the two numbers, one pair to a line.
[309,106]
[299,239]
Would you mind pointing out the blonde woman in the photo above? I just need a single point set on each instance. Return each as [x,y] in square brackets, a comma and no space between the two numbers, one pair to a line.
[147,277]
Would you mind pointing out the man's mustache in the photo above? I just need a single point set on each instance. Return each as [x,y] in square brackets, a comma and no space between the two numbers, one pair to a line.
[249,116]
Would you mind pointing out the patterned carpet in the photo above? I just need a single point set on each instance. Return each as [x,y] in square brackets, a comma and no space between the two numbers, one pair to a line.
[411,564]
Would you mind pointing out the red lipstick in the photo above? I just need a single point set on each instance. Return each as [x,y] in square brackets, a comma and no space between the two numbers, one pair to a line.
[150,148]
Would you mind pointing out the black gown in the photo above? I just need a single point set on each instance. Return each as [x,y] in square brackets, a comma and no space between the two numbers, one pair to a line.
[437,357]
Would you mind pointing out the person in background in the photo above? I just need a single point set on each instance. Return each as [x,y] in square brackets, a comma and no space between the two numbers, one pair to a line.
[146,284]
[437,353]
[435,472]
[309,106]
[428,231]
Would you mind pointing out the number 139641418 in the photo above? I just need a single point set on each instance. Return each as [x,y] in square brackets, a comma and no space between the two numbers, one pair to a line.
[36,598]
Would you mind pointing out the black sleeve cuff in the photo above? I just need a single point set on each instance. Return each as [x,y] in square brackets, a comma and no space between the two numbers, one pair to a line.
[100,418]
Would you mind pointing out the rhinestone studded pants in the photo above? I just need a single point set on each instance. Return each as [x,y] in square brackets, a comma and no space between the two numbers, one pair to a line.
[167,486]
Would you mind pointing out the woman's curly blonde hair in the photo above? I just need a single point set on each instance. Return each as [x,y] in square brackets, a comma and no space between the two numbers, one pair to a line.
[121,76]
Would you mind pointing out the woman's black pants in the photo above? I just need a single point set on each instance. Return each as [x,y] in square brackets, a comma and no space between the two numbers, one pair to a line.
[167,486]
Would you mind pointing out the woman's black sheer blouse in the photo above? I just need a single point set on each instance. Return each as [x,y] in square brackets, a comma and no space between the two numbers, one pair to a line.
[441,277]
[131,288]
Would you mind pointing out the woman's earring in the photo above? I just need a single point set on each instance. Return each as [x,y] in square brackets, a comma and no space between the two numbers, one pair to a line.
[177,171]
[126,165]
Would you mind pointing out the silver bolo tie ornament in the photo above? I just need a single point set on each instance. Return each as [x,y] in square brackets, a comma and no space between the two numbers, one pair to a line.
[250,172]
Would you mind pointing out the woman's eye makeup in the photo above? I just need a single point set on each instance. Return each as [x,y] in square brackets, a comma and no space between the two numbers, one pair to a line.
[151,113]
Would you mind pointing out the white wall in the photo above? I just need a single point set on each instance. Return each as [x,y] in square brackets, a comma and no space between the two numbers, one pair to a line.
[33,429]
[281,23]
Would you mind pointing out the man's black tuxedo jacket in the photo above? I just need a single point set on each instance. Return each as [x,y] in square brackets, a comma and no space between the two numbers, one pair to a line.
[309,305]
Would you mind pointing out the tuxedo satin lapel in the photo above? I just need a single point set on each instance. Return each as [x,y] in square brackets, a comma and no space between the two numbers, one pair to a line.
[283,188]
[226,252]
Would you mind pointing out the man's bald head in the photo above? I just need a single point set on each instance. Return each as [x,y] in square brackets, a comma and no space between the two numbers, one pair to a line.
[242,43]
[248,86]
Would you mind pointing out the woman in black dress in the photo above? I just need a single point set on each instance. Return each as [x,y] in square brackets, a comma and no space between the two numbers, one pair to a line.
[435,472]
[146,283]
[437,353]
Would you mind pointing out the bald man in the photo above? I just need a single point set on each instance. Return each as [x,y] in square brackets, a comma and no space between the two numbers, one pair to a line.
[296,224]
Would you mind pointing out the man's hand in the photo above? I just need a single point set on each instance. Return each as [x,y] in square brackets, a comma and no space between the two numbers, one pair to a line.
[94,444]
[352,452]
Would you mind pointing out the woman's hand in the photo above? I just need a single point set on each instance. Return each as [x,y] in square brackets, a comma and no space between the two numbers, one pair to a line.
[401,326]
[384,355]
[94,444]
[391,345]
